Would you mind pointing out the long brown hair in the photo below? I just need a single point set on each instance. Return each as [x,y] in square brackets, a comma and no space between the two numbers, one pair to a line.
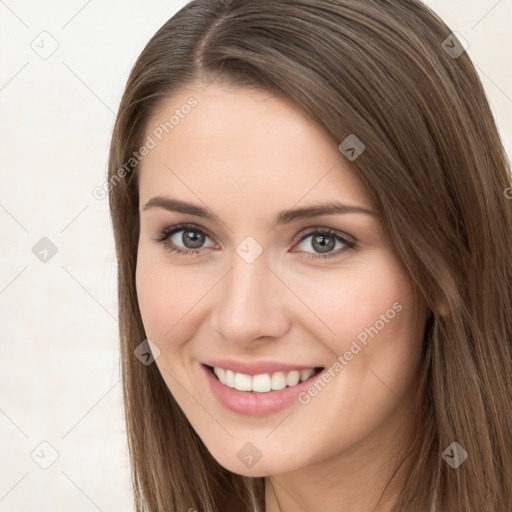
[392,74]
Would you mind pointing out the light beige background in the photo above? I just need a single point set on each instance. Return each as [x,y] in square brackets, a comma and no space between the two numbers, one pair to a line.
[59,373]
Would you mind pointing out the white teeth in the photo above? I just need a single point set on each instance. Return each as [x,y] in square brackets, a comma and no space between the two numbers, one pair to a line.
[221,373]
[278,381]
[264,382]
[293,378]
[261,383]
[230,379]
[305,374]
[243,382]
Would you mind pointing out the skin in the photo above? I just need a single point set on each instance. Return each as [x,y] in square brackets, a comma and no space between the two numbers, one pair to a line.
[246,155]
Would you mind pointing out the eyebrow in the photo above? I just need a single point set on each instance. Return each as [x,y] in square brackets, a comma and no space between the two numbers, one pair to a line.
[283,217]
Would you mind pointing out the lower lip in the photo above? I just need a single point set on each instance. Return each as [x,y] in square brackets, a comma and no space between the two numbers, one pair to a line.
[252,403]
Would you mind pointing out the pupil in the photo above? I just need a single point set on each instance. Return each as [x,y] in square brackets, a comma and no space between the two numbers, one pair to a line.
[192,239]
[322,245]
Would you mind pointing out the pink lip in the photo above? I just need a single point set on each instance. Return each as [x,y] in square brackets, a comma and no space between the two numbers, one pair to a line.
[255,367]
[251,403]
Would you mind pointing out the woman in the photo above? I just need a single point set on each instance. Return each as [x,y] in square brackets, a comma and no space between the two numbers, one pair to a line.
[309,201]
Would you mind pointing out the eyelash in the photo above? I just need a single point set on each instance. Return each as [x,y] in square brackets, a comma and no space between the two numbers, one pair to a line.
[168,232]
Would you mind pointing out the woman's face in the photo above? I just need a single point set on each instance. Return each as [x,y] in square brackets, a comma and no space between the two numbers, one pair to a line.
[258,292]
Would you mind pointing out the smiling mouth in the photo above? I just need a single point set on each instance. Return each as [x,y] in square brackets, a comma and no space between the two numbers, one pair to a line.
[265,382]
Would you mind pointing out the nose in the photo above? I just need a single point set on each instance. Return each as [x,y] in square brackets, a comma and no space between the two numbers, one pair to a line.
[251,304]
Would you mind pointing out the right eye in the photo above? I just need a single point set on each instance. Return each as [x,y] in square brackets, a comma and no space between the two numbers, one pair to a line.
[189,235]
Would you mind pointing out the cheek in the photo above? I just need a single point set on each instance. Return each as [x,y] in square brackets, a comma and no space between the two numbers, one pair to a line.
[169,296]
[152,302]
[344,304]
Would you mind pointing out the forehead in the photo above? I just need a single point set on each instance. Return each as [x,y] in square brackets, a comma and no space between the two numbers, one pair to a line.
[222,143]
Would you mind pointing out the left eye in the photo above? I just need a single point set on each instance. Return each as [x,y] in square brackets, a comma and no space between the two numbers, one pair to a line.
[324,242]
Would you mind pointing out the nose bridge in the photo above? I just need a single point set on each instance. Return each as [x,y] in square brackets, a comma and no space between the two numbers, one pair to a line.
[248,306]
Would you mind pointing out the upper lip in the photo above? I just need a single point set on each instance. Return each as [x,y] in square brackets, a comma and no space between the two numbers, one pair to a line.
[256,367]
